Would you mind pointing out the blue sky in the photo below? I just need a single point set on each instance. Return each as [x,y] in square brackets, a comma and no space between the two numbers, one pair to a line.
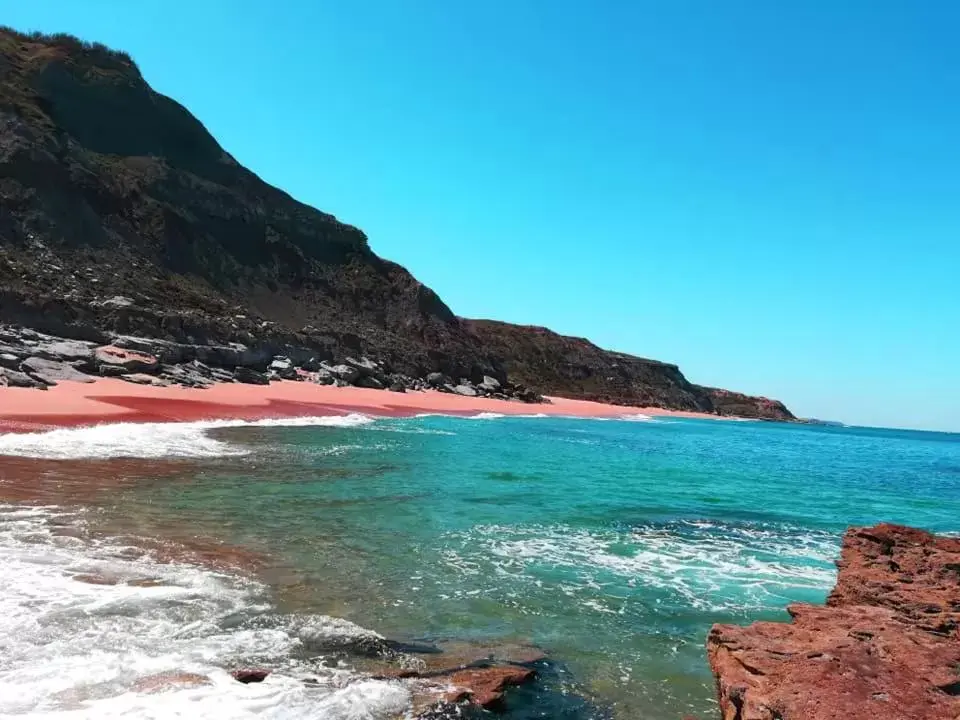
[766,193]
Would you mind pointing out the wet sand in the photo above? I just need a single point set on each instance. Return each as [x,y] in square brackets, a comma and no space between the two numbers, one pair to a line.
[112,400]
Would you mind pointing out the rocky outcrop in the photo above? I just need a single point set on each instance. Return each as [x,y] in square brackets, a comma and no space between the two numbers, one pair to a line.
[574,367]
[123,218]
[886,645]
[35,360]
[734,404]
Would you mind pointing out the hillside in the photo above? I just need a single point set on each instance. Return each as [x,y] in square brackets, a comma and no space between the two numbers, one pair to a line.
[121,214]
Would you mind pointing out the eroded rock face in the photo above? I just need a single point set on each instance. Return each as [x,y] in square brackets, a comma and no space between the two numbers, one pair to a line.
[885,645]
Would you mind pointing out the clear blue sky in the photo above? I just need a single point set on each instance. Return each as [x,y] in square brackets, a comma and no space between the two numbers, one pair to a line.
[766,193]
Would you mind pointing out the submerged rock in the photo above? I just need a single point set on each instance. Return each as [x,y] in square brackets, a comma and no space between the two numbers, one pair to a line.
[250,675]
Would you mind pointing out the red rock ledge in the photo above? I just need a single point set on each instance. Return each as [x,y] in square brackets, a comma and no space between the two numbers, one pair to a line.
[885,647]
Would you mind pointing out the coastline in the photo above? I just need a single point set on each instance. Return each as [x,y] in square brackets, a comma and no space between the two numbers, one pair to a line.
[111,400]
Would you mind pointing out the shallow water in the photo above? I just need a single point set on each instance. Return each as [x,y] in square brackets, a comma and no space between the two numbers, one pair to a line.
[612,544]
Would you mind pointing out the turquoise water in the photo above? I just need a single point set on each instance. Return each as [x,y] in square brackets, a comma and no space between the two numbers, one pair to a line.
[612,544]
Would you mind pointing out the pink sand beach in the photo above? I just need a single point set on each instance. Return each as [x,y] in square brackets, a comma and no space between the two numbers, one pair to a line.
[113,400]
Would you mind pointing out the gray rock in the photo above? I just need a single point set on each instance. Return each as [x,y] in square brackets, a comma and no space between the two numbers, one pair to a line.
[312,364]
[436,379]
[250,376]
[368,381]
[9,360]
[364,365]
[466,390]
[347,373]
[52,372]
[398,386]
[65,351]
[282,367]
[144,379]
[323,377]
[489,385]
[13,378]
[117,301]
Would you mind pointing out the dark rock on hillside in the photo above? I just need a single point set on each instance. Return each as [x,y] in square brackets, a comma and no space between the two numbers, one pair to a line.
[14,378]
[735,404]
[574,367]
[250,376]
[51,371]
[124,223]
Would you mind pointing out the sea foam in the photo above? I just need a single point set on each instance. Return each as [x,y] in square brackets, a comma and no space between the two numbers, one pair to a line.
[81,636]
[152,440]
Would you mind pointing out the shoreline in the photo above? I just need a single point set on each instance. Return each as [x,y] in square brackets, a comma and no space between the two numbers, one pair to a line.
[111,400]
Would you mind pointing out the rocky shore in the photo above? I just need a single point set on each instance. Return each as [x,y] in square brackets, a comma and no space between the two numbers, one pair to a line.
[886,645]
[31,359]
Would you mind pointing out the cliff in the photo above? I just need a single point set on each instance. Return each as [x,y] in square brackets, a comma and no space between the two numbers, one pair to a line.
[122,215]
[886,645]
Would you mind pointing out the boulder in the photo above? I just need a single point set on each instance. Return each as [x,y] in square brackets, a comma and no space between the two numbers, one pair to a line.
[323,377]
[144,379]
[131,361]
[465,390]
[65,351]
[9,360]
[282,367]
[437,380]
[250,376]
[14,378]
[366,366]
[398,386]
[347,373]
[52,371]
[369,381]
[489,385]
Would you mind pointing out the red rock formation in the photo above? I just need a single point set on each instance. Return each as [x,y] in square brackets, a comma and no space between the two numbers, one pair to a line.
[886,645]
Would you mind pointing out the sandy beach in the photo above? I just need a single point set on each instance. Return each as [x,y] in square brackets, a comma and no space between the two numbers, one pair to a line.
[113,400]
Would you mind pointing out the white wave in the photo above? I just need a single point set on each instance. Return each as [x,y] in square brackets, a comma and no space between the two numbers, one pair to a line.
[698,564]
[152,440]
[637,417]
[485,416]
[79,649]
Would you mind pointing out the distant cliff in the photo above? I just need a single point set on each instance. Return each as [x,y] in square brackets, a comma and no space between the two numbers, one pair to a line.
[110,190]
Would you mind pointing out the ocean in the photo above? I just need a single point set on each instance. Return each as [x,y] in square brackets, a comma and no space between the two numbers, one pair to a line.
[136,550]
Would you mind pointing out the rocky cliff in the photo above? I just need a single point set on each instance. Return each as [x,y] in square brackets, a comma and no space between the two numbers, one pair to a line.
[122,215]
[886,645]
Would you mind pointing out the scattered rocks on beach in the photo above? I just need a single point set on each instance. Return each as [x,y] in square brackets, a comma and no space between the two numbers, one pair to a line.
[886,645]
[31,359]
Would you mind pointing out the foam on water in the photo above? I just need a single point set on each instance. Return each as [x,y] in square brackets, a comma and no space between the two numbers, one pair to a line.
[636,417]
[700,565]
[75,649]
[152,440]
